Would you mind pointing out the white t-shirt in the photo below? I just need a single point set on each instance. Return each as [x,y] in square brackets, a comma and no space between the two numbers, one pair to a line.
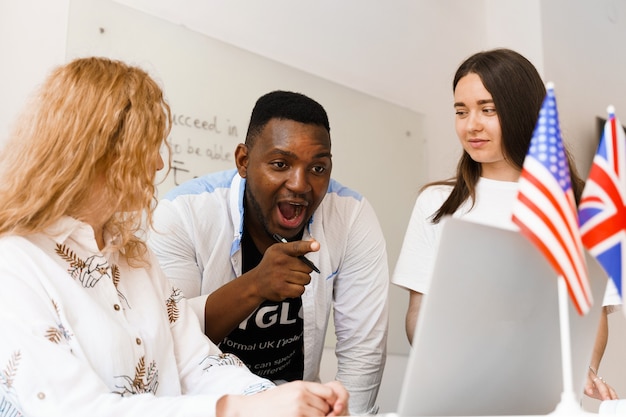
[611,296]
[494,202]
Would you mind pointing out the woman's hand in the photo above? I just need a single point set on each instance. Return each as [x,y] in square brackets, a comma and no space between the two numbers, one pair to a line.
[596,387]
[293,399]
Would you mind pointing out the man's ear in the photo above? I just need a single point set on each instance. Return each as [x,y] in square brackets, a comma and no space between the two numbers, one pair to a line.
[241,159]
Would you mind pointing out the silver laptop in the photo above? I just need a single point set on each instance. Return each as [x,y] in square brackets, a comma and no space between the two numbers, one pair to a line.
[487,340]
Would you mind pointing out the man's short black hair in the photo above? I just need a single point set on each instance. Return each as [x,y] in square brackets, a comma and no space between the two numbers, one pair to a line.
[285,105]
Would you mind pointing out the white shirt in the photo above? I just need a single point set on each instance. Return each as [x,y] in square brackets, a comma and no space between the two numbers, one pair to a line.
[197,238]
[85,334]
[493,206]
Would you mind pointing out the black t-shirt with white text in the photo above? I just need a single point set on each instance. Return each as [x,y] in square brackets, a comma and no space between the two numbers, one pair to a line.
[270,341]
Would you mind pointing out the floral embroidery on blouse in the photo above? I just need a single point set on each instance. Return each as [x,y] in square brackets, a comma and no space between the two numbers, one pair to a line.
[221,360]
[8,402]
[258,387]
[115,271]
[58,333]
[172,304]
[146,380]
[90,271]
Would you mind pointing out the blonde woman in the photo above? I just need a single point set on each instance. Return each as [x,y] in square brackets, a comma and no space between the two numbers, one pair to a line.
[89,324]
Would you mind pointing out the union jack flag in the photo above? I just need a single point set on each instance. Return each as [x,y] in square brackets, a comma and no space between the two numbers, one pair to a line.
[602,209]
[545,210]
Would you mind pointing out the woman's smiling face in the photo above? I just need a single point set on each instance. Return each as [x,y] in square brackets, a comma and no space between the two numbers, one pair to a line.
[477,123]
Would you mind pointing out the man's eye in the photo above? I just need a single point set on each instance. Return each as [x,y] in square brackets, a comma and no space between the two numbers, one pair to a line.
[319,169]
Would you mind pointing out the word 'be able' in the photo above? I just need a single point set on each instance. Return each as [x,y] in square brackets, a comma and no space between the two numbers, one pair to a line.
[212,151]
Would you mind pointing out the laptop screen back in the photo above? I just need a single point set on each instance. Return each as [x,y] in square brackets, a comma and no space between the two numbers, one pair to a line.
[487,340]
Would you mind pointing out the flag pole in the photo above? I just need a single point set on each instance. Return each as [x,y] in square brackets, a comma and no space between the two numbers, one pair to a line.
[610,110]
[568,404]
[545,212]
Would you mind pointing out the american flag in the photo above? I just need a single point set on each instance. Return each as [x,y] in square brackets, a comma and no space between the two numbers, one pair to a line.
[545,210]
[602,209]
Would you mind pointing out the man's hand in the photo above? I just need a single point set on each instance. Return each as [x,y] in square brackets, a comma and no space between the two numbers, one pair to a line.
[280,274]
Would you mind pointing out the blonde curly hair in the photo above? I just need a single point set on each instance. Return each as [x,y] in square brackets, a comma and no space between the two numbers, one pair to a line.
[94,122]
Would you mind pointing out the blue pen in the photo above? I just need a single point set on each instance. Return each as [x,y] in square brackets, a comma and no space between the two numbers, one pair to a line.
[303,258]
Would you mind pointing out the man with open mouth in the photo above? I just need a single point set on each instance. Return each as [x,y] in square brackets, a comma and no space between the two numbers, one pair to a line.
[266,251]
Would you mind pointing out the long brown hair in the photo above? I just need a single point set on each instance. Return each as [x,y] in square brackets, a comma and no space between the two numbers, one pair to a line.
[518,92]
[92,118]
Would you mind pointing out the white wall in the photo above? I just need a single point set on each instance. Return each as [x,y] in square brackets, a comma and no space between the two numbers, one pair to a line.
[403,51]
[32,40]
[584,57]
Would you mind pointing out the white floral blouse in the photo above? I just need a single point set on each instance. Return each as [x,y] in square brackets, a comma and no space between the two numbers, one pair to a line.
[82,333]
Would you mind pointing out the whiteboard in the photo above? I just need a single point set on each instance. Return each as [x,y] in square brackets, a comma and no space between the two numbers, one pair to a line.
[211,87]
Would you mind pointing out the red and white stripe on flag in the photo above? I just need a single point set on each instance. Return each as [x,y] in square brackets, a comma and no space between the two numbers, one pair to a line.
[545,210]
[602,210]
